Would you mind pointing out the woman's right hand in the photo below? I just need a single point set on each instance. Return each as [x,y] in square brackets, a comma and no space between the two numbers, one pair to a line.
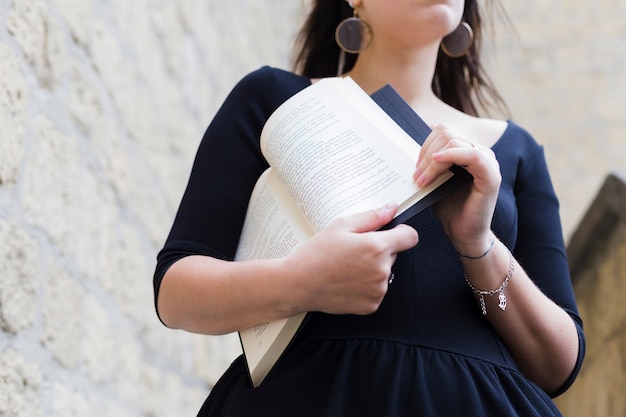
[345,268]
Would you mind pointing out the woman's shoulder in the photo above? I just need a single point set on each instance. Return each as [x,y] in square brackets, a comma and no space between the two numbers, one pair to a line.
[517,137]
[271,82]
[260,92]
[269,73]
[519,151]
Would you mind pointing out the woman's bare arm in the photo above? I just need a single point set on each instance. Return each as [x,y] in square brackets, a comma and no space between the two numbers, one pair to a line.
[342,269]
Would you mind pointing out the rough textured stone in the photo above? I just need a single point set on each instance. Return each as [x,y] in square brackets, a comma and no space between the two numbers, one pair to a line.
[39,38]
[597,256]
[62,315]
[18,278]
[102,107]
[101,339]
[64,198]
[86,103]
[68,402]
[12,108]
[78,17]
[20,382]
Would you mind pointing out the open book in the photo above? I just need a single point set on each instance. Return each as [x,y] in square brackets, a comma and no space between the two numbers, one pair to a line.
[333,151]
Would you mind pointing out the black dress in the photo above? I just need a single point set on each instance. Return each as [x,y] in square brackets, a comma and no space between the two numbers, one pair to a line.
[427,351]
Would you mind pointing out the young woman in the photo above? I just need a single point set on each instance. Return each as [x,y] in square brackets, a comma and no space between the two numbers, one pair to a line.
[480,318]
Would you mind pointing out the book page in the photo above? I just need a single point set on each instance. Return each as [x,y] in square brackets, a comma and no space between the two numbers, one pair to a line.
[337,153]
[274,227]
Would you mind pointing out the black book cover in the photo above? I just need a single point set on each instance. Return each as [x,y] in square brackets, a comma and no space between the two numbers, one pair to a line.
[400,111]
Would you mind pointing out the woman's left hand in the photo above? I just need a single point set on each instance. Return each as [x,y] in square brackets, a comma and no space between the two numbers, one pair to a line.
[465,215]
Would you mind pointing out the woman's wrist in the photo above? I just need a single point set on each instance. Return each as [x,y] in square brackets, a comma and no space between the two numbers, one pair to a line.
[294,294]
[490,275]
[475,249]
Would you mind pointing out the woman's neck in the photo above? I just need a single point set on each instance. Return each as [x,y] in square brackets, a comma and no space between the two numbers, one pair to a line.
[410,75]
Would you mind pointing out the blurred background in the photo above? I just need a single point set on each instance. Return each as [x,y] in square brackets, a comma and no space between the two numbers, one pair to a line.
[102,106]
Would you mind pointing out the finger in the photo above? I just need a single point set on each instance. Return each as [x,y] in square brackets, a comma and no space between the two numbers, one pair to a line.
[478,161]
[431,144]
[440,137]
[462,153]
[400,238]
[456,151]
[369,220]
[434,133]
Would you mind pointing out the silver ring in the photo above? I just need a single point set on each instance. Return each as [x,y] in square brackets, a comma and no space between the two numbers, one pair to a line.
[391,277]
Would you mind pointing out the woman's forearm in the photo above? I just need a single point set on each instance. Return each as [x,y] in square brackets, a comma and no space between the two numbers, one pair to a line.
[344,269]
[541,335]
[205,295]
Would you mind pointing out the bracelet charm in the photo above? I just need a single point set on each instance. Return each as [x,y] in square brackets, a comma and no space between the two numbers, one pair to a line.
[500,290]
[502,299]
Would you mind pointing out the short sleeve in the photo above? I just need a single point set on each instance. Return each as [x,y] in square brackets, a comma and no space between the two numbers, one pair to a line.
[227,165]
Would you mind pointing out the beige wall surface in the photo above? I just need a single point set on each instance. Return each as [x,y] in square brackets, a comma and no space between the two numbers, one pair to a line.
[599,389]
[562,72]
[102,105]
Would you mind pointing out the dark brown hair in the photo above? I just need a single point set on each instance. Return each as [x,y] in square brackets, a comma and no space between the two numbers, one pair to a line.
[460,82]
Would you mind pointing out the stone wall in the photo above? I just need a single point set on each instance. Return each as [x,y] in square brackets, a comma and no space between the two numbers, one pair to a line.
[102,106]
[597,254]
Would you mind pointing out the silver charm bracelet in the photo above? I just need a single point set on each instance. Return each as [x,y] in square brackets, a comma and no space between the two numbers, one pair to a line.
[500,290]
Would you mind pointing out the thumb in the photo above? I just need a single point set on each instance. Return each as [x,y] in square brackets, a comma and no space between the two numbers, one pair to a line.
[370,220]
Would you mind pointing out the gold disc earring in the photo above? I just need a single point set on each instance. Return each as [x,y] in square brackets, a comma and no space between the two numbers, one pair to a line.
[353,35]
[457,43]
